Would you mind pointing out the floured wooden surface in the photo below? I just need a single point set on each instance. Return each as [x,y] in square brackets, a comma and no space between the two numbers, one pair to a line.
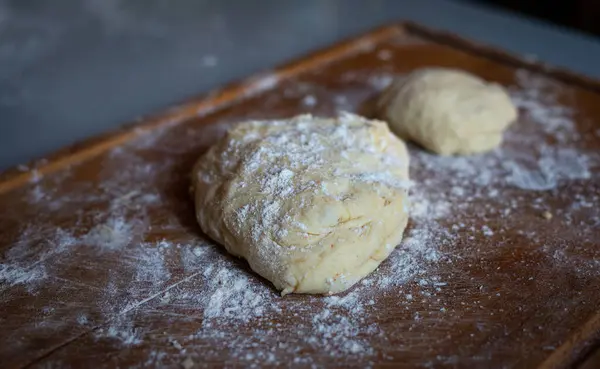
[103,262]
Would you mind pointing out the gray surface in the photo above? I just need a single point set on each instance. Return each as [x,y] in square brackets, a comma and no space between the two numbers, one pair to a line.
[70,69]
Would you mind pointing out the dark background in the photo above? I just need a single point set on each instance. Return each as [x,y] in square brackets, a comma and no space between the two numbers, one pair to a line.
[579,14]
[72,69]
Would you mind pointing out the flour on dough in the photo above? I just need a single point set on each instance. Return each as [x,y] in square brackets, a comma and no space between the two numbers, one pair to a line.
[313,204]
[447,111]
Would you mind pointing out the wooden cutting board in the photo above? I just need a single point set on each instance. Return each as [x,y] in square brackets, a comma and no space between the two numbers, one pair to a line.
[103,264]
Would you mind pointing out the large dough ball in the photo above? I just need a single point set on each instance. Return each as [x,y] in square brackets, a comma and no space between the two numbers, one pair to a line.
[448,111]
[312,204]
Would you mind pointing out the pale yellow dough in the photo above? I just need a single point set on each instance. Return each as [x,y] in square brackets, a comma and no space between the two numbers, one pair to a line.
[447,111]
[313,204]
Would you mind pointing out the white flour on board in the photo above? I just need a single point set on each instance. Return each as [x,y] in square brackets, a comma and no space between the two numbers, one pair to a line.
[229,299]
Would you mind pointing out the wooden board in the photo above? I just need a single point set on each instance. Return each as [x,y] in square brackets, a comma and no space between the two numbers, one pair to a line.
[103,264]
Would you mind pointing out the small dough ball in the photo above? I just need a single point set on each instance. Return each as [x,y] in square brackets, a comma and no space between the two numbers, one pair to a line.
[313,204]
[448,111]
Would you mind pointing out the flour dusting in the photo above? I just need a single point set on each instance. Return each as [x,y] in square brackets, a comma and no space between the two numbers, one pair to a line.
[140,257]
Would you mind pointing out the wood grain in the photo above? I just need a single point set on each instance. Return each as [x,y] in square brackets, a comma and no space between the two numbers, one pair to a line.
[593,361]
[73,296]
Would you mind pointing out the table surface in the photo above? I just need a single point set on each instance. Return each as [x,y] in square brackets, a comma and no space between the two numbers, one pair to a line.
[72,69]
[103,261]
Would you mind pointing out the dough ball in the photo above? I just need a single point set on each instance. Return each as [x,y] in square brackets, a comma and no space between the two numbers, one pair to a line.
[448,111]
[313,204]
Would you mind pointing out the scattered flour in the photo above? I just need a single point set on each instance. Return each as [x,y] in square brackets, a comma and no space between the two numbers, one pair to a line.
[262,83]
[309,101]
[121,331]
[233,298]
[115,234]
[379,82]
[13,274]
[160,265]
